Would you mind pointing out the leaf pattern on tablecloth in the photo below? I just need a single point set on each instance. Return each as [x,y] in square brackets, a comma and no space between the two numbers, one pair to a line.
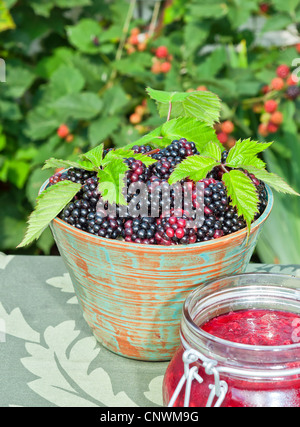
[14,324]
[63,367]
[4,260]
[64,283]
[154,394]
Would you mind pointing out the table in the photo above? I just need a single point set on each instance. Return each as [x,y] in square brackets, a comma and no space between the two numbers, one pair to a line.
[48,355]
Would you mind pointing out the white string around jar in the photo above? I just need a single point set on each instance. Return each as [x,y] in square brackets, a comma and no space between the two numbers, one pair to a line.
[220,387]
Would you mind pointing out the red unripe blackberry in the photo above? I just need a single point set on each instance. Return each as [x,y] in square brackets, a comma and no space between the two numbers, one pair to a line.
[265,89]
[135,31]
[162,52]
[263,129]
[292,80]
[133,39]
[135,118]
[283,71]
[271,106]
[264,7]
[165,67]
[227,127]
[298,47]
[222,137]
[277,83]
[63,131]
[277,118]
[156,67]
[272,128]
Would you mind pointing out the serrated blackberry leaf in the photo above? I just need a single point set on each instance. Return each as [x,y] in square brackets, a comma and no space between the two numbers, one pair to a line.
[191,129]
[202,105]
[49,204]
[112,181]
[243,195]
[272,180]
[53,163]
[193,167]
[245,152]
[94,156]
[212,149]
[122,153]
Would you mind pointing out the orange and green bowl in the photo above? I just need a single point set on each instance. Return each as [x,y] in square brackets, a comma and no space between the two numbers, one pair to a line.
[132,294]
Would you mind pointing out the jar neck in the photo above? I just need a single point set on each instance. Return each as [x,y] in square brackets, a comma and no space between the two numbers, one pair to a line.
[231,295]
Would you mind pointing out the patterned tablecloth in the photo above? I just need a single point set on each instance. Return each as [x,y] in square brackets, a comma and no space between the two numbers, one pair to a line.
[48,355]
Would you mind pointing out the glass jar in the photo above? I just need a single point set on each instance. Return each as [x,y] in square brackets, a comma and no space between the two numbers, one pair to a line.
[210,371]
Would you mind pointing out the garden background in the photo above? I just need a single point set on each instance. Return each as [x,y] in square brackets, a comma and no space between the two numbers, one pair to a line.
[85,64]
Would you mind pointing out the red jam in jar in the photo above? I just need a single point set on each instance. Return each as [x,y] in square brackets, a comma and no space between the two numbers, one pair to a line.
[256,327]
[240,345]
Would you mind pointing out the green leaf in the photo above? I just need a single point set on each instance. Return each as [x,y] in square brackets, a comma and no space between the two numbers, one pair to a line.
[41,122]
[272,180]
[65,80]
[245,153]
[102,128]
[122,153]
[82,106]
[195,33]
[193,167]
[278,21]
[213,63]
[82,34]
[6,20]
[152,138]
[191,129]
[58,163]
[112,181]
[213,9]
[202,105]
[211,149]
[18,81]
[243,195]
[49,204]
[95,156]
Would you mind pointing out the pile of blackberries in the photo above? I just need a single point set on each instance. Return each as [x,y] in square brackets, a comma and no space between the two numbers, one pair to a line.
[155,226]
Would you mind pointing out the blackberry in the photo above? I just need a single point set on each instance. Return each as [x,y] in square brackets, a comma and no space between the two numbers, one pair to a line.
[138,171]
[224,156]
[173,230]
[292,92]
[218,172]
[140,230]
[76,212]
[106,151]
[142,149]
[262,194]
[73,174]
[107,227]
[169,157]
[89,191]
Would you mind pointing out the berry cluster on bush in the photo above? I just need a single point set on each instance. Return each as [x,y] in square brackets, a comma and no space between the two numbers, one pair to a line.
[283,81]
[167,227]
[161,61]
[64,133]
[284,85]
[139,112]
[271,118]
[137,41]
[224,132]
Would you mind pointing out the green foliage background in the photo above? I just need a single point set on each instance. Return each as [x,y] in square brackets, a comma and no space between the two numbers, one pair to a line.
[61,67]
